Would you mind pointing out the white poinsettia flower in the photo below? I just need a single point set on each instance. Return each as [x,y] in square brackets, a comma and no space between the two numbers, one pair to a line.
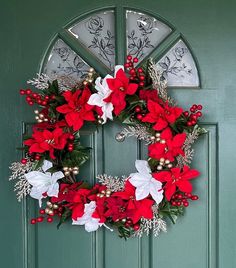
[144,182]
[44,182]
[91,224]
[97,99]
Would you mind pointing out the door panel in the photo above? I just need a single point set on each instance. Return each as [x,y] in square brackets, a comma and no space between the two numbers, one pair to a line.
[205,236]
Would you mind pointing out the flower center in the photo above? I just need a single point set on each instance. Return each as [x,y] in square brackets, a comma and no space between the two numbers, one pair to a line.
[122,89]
[50,141]
[78,108]
[122,209]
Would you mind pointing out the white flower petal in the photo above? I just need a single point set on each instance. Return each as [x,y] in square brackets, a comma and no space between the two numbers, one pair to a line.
[156,191]
[57,176]
[36,178]
[137,179]
[53,190]
[142,192]
[46,165]
[92,225]
[142,166]
[37,194]
[96,99]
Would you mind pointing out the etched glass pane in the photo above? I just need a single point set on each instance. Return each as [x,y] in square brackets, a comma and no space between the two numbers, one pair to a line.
[63,61]
[179,67]
[144,33]
[97,33]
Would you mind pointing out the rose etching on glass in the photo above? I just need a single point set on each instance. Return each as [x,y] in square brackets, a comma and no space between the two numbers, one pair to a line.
[103,40]
[174,63]
[70,64]
[137,43]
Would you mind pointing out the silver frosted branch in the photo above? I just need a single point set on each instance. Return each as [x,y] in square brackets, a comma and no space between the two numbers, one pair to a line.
[156,224]
[18,171]
[188,151]
[138,131]
[114,184]
[159,83]
[40,81]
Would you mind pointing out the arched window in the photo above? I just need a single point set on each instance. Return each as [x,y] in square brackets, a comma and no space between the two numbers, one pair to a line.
[92,41]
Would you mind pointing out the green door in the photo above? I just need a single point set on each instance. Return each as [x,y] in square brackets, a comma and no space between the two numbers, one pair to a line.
[195,45]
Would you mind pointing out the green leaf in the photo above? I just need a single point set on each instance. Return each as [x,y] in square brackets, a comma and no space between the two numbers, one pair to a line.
[64,217]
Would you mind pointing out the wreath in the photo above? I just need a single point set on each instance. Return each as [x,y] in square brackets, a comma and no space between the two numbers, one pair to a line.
[159,189]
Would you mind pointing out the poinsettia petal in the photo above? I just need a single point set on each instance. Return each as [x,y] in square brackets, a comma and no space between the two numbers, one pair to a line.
[57,176]
[156,192]
[170,189]
[137,179]
[189,173]
[166,134]
[35,148]
[142,192]
[46,165]
[64,109]
[179,139]
[96,99]
[162,176]
[132,88]
[36,178]
[92,225]
[53,190]
[88,116]
[160,124]
[184,186]
[118,68]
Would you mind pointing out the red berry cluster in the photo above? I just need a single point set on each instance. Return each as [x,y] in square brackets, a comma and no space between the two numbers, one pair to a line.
[135,73]
[129,224]
[45,215]
[70,145]
[33,97]
[194,114]
[32,158]
[138,112]
[182,199]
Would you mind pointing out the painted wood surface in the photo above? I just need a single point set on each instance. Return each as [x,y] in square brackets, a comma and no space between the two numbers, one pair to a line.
[205,237]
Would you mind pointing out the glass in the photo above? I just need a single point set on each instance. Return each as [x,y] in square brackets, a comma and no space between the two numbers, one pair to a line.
[144,33]
[179,67]
[63,61]
[97,33]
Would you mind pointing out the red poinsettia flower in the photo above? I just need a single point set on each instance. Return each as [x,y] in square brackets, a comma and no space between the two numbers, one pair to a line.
[161,116]
[139,209]
[176,178]
[116,208]
[100,210]
[79,200]
[49,125]
[120,87]
[46,140]
[168,147]
[66,192]
[77,110]
[149,94]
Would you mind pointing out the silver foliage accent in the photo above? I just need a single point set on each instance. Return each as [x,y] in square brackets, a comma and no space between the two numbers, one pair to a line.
[138,131]
[22,186]
[156,224]
[159,83]
[64,82]
[114,184]
[188,151]
[40,81]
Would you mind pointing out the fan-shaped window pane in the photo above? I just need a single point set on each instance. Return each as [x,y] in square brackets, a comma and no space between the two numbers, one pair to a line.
[63,60]
[144,33]
[97,33]
[179,67]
